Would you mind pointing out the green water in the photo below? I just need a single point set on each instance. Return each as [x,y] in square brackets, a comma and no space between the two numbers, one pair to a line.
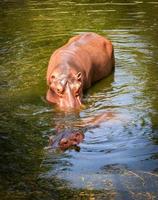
[117,159]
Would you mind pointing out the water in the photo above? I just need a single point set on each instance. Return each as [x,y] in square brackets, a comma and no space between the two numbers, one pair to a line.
[117,159]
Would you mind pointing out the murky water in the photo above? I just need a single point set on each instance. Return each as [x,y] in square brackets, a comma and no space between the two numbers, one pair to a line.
[118,159]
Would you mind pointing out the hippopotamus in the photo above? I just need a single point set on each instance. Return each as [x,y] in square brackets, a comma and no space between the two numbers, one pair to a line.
[74,67]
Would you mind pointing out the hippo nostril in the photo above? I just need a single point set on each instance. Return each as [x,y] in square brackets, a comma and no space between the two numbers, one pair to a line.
[58,90]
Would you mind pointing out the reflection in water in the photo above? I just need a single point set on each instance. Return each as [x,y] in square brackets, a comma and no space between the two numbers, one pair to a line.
[66,139]
[115,142]
[70,137]
[118,159]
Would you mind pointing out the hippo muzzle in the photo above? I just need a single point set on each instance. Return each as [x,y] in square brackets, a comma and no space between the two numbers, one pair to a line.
[65,91]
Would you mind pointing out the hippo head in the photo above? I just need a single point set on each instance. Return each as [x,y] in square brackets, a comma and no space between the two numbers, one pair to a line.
[65,90]
[66,139]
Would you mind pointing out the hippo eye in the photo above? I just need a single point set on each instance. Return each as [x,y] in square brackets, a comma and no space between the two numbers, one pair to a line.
[52,78]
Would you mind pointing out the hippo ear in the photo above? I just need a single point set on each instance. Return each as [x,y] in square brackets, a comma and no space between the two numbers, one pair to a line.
[79,76]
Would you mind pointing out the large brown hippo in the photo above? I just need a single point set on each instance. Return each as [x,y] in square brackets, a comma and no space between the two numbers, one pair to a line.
[74,67]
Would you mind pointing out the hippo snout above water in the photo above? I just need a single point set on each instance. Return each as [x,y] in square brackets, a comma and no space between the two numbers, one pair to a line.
[66,139]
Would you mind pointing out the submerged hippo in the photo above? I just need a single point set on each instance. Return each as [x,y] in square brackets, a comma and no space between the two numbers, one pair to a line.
[74,67]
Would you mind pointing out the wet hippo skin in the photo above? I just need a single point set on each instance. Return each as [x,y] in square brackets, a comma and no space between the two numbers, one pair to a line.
[74,67]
